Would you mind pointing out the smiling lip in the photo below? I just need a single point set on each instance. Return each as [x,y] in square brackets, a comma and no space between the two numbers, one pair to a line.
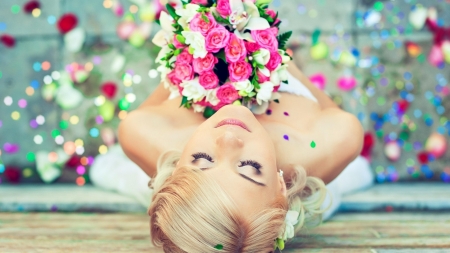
[233,122]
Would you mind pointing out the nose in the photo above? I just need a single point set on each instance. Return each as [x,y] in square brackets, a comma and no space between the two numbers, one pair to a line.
[229,140]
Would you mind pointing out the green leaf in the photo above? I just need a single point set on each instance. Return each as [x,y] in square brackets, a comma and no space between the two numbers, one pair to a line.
[283,39]
[221,55]
[221,20]
[205,18]
[184,101]
[172,11]
[181,39]
[276,101]
[171,46]
[219,247]
[285,81]
[178,52]
[207,114]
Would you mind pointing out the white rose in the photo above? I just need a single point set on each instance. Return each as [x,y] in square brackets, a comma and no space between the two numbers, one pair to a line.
[198,108]
[279,74]
[187,14]
[285,58]
[193,90]
[245,85]
[264,92]
[262,56]
[211,97]
[197,42]
[165,35]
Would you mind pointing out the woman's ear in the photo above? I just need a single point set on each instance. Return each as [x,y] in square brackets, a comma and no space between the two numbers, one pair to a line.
[283,187]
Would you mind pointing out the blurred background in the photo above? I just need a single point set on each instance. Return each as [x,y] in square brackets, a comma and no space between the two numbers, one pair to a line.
[71,70]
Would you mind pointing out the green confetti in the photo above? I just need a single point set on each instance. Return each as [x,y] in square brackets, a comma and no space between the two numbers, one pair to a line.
[55,133]
[15,9]
[219,247]
[313,144]
[31,157]
[63,124]
[379,6]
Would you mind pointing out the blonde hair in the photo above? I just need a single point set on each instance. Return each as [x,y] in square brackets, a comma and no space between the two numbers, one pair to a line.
[190,212]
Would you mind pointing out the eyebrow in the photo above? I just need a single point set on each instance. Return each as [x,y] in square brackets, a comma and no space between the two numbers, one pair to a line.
[242,175]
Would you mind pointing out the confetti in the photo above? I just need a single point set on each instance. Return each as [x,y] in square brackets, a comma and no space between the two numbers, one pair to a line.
[313,144]
[286,137]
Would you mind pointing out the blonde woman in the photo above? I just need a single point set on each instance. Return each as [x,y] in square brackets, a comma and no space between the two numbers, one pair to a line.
[237,181]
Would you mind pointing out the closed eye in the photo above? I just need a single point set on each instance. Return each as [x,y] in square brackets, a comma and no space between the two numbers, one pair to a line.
[198,156]
[252,163]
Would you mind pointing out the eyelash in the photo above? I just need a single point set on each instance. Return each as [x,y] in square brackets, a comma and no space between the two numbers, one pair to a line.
[252,163]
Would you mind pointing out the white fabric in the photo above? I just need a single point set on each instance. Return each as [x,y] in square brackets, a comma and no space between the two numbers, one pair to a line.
[296,87]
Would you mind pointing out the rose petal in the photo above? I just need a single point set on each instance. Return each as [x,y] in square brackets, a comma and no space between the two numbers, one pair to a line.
[257,24]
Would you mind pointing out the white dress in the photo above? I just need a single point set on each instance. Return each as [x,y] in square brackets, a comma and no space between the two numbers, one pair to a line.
[116,172]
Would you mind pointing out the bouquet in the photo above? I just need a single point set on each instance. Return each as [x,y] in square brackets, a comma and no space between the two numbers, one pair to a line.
[220,52]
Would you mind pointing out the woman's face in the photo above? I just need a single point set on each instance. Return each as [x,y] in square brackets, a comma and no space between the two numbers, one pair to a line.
[233,148]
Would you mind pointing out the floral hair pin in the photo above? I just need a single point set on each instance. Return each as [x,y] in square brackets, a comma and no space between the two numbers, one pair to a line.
[290,221]
[220,52]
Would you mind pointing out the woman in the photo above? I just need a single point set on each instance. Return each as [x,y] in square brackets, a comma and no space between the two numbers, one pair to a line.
[228,181]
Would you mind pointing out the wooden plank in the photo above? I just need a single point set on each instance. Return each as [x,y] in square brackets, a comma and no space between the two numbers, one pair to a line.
[67,198]
[399,196]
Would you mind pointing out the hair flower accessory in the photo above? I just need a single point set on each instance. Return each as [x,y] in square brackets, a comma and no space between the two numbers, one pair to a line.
[217,53]
[290,221]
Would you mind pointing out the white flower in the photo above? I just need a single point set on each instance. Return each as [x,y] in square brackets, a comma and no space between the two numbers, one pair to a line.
[262,56]
[193,90]
[245,85]
[162,53]
[211,97]
[285,58]
[279,74]
[187,14]
[245,16]
[264,92]
[291,220]
[197,42]
[164,36]
[198,108]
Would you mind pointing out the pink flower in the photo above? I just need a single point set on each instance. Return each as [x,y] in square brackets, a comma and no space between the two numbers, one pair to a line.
[266,39]
[205,64]
[217,39]
[173,78]
[183,72]
[275,88]
[176,43]
[223,8]
[275,61]
[209,80]
[203,2]
[262,78]
[239,71]
[235,49]
[252,46]
[185,58]
[227,94]
[219,106]
[199,25]
[274,30]
[271,13]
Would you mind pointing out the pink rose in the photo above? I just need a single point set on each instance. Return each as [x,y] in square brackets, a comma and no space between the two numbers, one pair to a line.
[185,58]
[271,13]
[205,64]
[266,39]
[227,94]
[203,2]
[199,25]
[239,71]
[262,78]
[274,30]
[235,49]
[183,72]
[176,43]
[217,39]
[275,61]
[275,88]
[223,8]
[252,46]
[209,80]
[173,78]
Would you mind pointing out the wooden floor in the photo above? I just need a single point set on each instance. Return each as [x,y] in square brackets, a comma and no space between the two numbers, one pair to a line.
[124,232]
